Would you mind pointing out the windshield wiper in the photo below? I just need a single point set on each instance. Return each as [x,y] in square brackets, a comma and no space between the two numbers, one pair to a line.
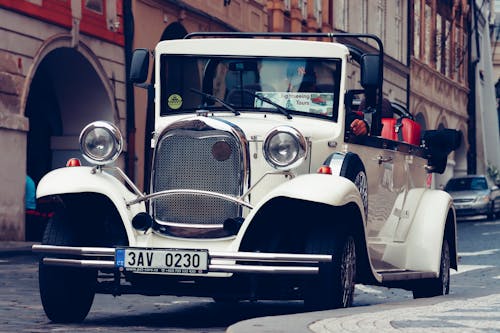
[217,99]
[281,108]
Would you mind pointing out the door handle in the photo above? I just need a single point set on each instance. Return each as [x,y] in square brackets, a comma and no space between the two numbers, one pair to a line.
[383,159]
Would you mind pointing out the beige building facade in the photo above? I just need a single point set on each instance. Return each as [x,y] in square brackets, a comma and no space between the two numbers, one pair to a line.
[439,91]
[61,66]
[156,20]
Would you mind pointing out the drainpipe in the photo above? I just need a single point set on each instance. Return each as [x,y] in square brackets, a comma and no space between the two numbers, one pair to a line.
[128,30]
[471,124]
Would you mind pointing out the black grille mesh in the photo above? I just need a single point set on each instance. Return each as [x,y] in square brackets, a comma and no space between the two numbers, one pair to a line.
[184,160]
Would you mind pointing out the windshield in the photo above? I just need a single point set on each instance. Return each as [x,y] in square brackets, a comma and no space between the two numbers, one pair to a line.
[295,85]
[466,184]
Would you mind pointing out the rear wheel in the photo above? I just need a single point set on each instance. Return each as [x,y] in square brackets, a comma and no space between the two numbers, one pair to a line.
[440,285]
[67,293]
[334,286]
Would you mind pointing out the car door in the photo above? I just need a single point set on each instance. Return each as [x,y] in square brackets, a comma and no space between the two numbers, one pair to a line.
[396,181]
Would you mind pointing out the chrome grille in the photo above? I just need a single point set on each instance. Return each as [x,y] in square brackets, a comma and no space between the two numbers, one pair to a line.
[463,200]
[184,159]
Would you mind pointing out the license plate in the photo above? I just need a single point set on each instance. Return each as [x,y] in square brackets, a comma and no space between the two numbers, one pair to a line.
[173,261]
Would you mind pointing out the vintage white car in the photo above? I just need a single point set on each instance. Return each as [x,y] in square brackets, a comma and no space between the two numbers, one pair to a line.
[258,189]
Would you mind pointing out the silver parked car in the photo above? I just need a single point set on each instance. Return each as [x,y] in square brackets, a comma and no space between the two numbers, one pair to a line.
[472,195]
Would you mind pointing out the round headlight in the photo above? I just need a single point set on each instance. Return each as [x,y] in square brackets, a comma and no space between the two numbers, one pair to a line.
[285,148]
[101,142]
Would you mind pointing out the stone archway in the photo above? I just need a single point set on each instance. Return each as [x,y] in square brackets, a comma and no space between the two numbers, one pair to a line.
[65,93]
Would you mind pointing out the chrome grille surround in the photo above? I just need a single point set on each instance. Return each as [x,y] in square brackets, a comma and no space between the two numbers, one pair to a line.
[184,159]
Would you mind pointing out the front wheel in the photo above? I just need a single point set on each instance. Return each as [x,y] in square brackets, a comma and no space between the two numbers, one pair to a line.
[438,286]
[334,286]
[67,293]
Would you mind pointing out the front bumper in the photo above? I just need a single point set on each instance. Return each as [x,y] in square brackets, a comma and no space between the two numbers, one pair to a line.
[470,209]
[219,262]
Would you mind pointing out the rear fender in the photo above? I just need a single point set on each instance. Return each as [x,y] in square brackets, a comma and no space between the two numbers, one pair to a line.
[434,219]
[85,180]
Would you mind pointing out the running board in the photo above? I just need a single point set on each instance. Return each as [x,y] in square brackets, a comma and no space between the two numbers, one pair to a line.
[401,274]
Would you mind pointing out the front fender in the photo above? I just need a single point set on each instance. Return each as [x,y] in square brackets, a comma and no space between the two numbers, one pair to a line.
[85,180]
[319,188]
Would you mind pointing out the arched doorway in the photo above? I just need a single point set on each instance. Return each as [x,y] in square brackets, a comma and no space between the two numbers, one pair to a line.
[65,94]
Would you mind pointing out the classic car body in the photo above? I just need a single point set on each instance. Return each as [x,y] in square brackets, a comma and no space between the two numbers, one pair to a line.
[258,190]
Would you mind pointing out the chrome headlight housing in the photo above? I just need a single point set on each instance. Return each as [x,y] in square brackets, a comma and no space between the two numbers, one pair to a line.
[101,142]
[285,148]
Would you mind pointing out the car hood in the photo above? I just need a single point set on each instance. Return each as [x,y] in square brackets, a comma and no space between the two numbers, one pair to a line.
[257,125]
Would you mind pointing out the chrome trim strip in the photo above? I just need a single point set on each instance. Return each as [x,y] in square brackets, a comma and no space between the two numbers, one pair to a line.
[211,268]
[187,191]
[313,259]
[249,256]
[127,180]
[263,269]
[286,173]
[79,263]
[261,256]
[82,251]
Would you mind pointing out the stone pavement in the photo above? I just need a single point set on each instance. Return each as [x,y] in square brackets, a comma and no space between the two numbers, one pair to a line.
[12,247]
[439,314]
[477,311]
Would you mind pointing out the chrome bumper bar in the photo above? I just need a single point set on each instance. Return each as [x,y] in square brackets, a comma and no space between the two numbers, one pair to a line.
[288,263]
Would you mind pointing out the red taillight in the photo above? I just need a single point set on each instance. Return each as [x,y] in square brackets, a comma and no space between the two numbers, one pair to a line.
[73,162]
[325,169]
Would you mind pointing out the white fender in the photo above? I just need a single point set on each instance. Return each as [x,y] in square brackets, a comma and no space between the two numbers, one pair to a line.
[425,237]
[320,188]
[81,180]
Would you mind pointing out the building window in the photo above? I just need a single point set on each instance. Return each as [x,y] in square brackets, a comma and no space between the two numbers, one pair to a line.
[398,24]
[341,12]
[416,31]
[447,52]
[458,53]
[288,5]
[95,5]
[303,8]
[380,18]
[428,32]
[318,12]
[439,40]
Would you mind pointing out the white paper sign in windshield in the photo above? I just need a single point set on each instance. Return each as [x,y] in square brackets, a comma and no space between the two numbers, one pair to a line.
[317,103]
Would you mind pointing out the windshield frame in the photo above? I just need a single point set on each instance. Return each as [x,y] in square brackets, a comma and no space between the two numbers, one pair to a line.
[205,83]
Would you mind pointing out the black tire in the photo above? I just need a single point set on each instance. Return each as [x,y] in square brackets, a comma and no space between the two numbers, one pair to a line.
[491,213]
[334,286]
[67,293]
[440,285]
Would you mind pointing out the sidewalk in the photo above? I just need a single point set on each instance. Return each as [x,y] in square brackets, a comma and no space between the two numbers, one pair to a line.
[440,314]
[8,248]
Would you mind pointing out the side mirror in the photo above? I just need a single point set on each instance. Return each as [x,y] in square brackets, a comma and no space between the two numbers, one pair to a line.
[139,66]
[439,144]
[495,188]
[370,71]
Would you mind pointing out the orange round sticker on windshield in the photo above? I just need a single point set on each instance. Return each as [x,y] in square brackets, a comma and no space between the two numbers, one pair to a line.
[174,101]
